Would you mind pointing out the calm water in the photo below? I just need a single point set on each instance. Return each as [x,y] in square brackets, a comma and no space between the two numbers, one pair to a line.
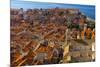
[86,9]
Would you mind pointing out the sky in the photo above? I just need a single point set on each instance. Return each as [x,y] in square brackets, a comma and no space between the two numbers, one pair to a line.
[89,10]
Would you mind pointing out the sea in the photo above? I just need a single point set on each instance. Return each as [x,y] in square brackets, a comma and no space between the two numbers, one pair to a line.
[88,10]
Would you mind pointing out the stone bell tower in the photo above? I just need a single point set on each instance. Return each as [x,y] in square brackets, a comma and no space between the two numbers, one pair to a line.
[66,56]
